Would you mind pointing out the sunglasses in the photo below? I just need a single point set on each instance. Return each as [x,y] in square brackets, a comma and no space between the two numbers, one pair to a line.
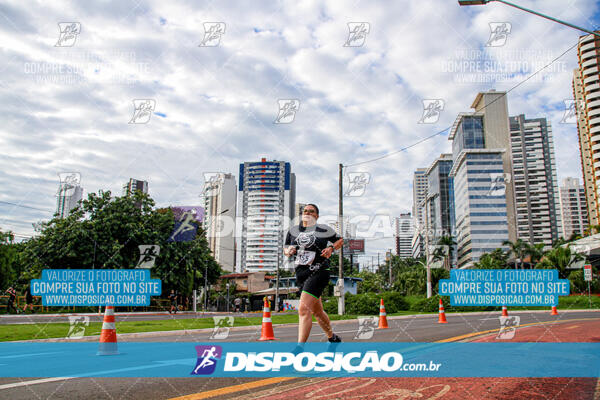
[309,211]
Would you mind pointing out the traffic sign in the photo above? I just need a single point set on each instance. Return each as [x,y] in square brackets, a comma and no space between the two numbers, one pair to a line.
[587,272]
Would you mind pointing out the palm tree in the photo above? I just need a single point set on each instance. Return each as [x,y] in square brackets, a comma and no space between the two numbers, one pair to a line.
[494,260]
[535,252]
[517,248]
[559,258]
[447,241]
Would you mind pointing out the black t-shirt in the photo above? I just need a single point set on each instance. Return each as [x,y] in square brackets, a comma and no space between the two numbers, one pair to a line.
[310,241]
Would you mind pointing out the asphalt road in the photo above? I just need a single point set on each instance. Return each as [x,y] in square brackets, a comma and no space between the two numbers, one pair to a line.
[402,329]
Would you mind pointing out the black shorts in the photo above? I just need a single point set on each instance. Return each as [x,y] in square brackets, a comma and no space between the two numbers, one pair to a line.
[312,282]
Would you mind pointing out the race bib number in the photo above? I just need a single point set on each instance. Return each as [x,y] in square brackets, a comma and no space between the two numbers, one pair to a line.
[305,257]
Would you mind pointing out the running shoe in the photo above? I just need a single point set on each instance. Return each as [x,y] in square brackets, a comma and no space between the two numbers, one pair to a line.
[335,339]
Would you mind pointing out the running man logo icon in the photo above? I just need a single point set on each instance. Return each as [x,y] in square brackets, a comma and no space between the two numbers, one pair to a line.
[366,327]
[68,33]
[570,115]
[222,326]
[357,34]
[68,182]
[431,111]
[498,34]
[498,184]
[508,327]
[185,230]
[143,109]
[207,359]
[212,182]
[77,325]
[212,34]
[287,111]
[148,254]
[357,183]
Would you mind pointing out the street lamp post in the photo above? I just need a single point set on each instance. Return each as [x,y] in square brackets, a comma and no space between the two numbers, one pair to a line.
[484,2]
[227,296]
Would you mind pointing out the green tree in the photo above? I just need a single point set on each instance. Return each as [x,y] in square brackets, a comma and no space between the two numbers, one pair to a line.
[10,268]
[371,282]
[335,264]
[497,259]
[518,248]
[105,232]
[535,252]
[559,258]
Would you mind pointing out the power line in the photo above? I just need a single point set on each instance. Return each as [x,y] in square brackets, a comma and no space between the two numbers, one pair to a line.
[492,102]
[20,205]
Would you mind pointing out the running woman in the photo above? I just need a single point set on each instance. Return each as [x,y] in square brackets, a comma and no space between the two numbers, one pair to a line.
[314,244]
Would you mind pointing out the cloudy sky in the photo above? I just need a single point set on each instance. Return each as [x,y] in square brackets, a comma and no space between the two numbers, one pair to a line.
[67,101]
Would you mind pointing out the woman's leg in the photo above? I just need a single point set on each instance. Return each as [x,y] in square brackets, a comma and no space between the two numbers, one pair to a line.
[307,303]
[322,318]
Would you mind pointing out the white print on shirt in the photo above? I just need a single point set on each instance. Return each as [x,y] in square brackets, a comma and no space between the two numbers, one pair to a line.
[306,239]
[305,257]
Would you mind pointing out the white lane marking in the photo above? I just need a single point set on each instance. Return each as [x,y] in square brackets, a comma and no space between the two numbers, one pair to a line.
[28,355]
[33,382]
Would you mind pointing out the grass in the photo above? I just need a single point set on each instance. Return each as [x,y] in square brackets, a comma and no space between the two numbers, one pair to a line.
[60,330]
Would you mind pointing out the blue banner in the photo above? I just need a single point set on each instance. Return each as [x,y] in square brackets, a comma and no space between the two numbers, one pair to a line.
[504,287]
[223,359]
[96,287]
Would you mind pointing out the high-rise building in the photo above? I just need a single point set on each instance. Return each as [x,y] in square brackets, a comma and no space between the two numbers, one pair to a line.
[298,211]
[482,165]
[534,181]
[586,91]
[267,196]
[417,244]
[573,207]
[418,208]
[69,197]
[405,226]
[419,193]
[349,228]
[134,185]
[439,201]
[219,220]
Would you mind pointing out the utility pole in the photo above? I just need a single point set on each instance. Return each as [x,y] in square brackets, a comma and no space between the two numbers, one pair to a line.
[276,306]
[340,282]
[390,267]
[427,248]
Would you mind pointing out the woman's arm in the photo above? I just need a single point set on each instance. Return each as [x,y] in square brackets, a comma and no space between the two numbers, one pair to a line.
[328,251]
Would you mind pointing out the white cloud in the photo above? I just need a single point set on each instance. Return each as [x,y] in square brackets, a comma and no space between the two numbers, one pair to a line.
[68,108]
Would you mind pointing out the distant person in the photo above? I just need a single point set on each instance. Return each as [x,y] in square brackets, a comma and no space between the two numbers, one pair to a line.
[173,298]
[247,305]
[238,304]
[28,300]
[12,295]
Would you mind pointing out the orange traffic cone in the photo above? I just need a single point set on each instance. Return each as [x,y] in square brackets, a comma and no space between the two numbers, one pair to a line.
[504,311]
[382,317]
[442,314]
[267,326]
[553,312]
[108,336]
